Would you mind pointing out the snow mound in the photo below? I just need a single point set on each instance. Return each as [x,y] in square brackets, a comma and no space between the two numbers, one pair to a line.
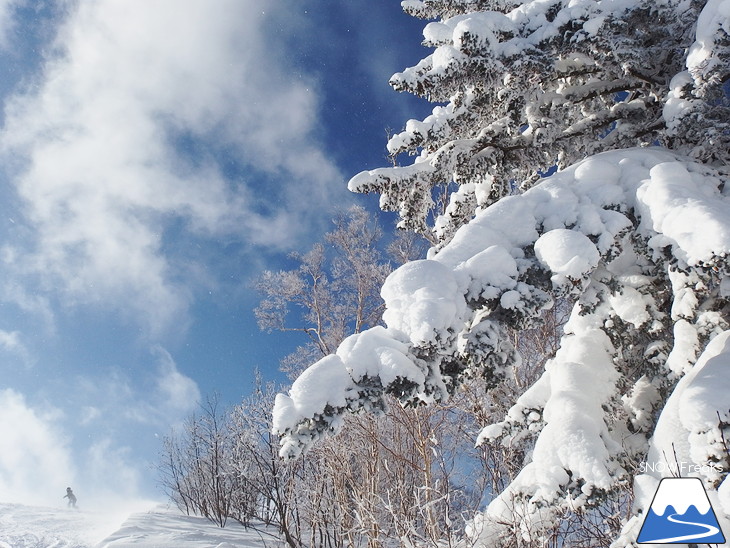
[567,253]
[168,528]
[416,305]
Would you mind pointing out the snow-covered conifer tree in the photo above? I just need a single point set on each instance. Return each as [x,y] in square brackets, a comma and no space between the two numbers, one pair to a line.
[528,85]
[629,99]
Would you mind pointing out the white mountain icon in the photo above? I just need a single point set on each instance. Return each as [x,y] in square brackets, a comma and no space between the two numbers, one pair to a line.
[681,495]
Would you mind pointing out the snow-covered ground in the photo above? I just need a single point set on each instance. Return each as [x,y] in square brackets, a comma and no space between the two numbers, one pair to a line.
[160,527]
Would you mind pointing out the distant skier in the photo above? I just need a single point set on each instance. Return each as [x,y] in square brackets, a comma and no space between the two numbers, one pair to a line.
[71,497]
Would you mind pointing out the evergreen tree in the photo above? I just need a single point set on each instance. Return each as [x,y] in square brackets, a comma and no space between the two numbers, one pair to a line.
[635,239]
[529,85]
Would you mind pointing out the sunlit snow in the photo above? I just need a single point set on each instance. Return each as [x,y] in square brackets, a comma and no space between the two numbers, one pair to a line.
[160,527]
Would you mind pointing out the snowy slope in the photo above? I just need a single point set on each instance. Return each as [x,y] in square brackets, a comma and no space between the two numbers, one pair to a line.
[167,528]
[37,527]
[41,527]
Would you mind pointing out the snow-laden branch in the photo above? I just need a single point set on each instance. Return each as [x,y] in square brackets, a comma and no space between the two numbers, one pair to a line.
[639,238]
[689,438]
[532,84]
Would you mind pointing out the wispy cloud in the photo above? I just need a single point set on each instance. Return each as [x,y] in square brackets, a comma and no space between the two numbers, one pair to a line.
[88,442]
[178,394]
[35,461]
[12,342]
[38,459]
[110,472]
[155,120]
[158,398]
[7,20]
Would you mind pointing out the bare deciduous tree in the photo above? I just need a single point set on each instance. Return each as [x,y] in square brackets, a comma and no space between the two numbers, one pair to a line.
[334,291]
[194,468]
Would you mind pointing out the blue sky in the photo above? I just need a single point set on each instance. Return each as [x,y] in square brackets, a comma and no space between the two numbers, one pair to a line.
[156,156]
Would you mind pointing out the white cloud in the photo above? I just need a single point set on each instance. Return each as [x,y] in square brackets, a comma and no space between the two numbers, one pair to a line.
[88,446]
[35,461]
[38,461]
[89,414]
[11,341]
[110,472]
[179,394]
[128,134]
[7,21]
[159,397]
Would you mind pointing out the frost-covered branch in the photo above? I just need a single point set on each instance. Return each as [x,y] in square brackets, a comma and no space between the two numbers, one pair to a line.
[530,85]
[611,233]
